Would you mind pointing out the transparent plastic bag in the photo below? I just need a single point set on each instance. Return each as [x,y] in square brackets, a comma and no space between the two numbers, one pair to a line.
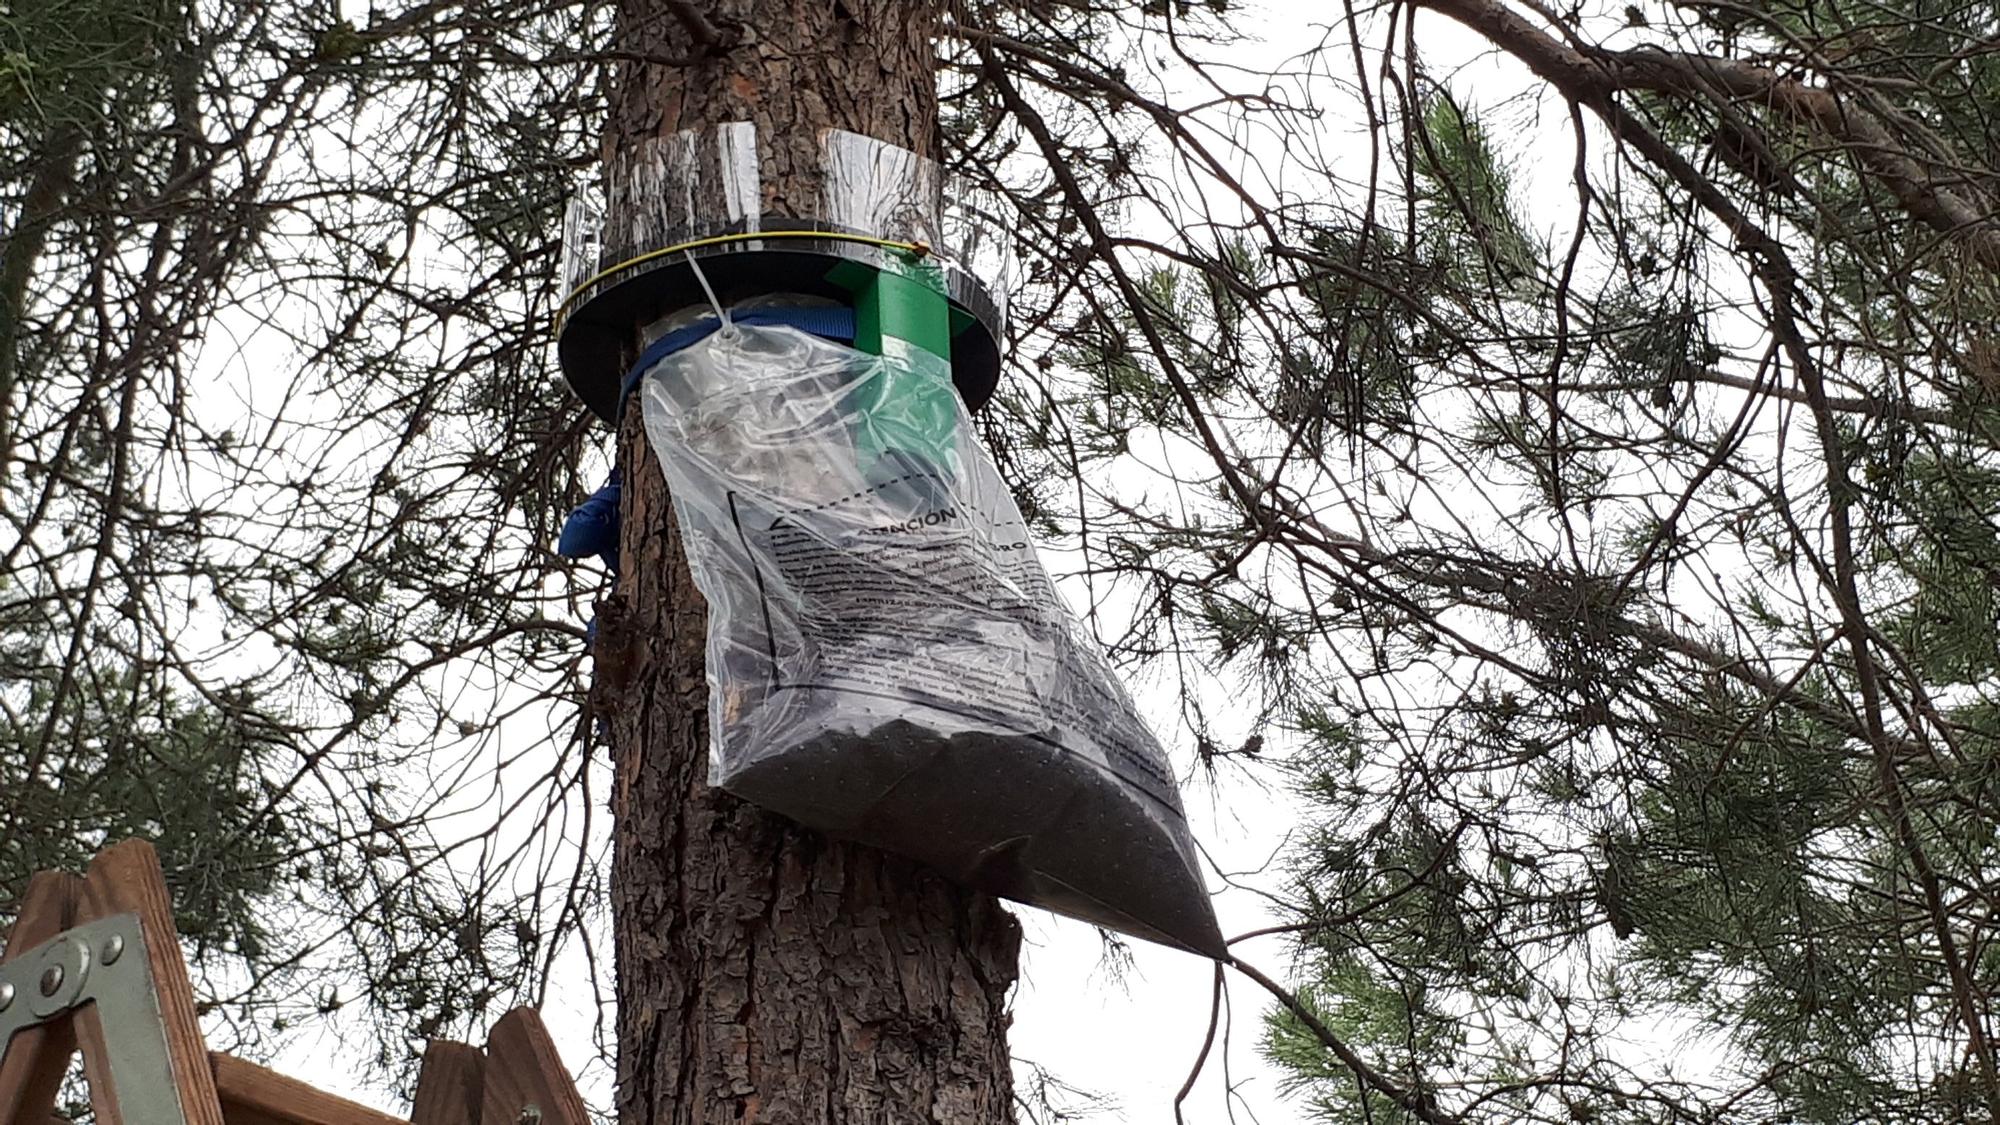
[887,660]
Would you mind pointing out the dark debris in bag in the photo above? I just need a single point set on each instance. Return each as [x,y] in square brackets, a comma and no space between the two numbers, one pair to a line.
[887,660]
[1013,815]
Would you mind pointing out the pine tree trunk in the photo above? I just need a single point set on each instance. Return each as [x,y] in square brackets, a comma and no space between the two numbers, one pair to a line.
[765,973]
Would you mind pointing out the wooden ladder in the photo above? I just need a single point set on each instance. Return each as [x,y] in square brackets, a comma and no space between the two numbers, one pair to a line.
[93,965]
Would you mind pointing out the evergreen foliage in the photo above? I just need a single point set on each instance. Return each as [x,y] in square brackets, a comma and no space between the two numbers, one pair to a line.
[278,453]
[1577,477]
[1597,497]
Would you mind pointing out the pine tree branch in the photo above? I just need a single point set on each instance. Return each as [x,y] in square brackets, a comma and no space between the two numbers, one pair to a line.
[1420,1106]
[1591,79]
[707,34]
[1925,187]
[1592,76]
[19,248]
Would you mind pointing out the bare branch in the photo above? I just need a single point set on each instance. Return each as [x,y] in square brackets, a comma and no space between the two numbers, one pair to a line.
[1933,196]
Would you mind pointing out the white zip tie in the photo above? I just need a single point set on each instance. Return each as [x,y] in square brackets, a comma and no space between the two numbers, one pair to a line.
[722,314]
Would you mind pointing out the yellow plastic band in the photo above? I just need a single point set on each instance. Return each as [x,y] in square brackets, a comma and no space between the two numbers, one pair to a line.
[563,310]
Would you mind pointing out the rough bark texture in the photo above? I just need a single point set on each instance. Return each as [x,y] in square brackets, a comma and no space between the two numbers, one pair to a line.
[766,974]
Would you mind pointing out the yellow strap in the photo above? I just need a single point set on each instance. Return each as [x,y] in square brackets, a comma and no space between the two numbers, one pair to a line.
[562,311]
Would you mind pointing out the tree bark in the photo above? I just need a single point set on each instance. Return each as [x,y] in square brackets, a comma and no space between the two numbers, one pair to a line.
[765,973]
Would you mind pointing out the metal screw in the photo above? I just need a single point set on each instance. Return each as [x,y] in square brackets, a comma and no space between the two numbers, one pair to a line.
[6,995]
[52,978]
[531,1114]
[114,948]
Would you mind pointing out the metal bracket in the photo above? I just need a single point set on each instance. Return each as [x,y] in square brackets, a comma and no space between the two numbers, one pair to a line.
[105,963]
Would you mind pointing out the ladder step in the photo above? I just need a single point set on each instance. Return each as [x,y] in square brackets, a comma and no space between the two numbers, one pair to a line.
[92,965]
[252,1095]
